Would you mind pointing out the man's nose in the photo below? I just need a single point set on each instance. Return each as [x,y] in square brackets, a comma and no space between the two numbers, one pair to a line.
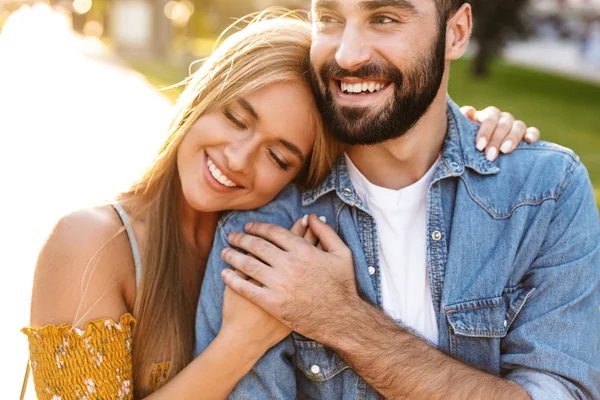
[352,52]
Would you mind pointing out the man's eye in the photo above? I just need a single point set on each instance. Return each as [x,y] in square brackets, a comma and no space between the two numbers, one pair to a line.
[325,19]
[239,124]
[383,19]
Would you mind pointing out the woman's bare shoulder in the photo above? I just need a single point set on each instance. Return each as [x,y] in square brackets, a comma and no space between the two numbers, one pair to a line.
[82,270]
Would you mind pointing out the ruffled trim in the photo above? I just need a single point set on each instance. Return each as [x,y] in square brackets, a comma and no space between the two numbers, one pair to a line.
[126,320]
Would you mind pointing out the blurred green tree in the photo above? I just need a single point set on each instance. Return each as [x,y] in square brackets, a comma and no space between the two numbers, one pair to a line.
[495,22]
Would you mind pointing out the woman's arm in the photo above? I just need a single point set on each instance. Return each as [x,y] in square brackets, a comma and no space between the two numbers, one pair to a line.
[82,275]
[230,356]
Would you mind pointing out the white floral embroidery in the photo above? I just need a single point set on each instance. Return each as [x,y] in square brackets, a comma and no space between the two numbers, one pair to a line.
[125,389]
[59,363]
[55,397]
[34,365]
[91,386]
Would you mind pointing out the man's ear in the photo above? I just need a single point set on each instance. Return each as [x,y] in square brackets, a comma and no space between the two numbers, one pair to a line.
[458,33]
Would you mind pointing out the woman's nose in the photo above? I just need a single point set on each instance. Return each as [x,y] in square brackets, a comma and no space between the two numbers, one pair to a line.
[240,155]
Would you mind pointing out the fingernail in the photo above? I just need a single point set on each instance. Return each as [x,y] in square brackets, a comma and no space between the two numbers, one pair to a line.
[305,221]
[481,143]
[529,137]
[506,146]
[492,154]
[249,225]
[322,218]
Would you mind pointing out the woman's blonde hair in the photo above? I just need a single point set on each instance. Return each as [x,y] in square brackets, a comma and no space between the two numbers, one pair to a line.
[270,49]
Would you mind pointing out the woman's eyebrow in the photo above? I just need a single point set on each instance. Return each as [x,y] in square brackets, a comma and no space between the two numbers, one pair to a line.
[248,107]
[292,148]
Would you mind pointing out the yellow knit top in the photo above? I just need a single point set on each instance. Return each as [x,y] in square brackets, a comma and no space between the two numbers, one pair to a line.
[95,363]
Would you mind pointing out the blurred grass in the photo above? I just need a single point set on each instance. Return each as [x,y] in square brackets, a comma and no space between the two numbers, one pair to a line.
[566,111]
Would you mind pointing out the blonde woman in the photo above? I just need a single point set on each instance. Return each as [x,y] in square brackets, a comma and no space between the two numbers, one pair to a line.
[116,286]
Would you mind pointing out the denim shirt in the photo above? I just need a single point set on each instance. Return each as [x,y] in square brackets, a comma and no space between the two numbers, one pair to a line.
[513,259]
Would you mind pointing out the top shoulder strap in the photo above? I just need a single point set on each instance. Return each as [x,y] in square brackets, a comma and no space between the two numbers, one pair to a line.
[135,250]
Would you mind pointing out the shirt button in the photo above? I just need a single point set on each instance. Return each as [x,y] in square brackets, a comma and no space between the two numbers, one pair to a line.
[371,271]
[347,192]
[455,167]
[315,369]
[505,323]
[436,235]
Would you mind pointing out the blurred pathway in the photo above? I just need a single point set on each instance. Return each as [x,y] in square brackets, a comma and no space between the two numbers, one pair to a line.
[553,55]
[75,127]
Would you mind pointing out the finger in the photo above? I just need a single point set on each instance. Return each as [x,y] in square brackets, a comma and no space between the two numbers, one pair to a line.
[252,292]
[310,237]
[250,266]
[320,246]
[328,238]
[488,120]
[255,282]
[275,234]
[500,132]
[469,112]
[514,137]
[241,274]
[300,226]
[256,246]
[532,135]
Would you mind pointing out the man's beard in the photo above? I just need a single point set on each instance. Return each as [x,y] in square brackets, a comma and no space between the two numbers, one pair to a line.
[414,92]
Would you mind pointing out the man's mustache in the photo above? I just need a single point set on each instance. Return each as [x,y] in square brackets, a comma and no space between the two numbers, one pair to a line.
[332,70]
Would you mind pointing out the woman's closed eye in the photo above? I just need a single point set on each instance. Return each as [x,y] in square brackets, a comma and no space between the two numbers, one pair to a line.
[278,160]
[234,119]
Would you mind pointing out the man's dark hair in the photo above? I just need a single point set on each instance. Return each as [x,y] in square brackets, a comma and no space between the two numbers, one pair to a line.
[448,7]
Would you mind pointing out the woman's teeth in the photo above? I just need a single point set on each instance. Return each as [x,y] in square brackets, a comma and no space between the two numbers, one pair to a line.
[218,175]
[361,87]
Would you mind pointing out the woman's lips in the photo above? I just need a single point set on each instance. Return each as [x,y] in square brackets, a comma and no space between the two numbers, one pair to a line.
[212,181]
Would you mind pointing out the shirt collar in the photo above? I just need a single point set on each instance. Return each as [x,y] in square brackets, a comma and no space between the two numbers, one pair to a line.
[458,153]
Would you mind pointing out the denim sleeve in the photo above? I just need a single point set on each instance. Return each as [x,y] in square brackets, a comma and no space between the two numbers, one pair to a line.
[553,347]
[273,377]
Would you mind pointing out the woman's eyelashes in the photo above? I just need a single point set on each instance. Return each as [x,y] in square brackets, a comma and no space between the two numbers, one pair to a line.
[237,122]
[234,119]
[282,164]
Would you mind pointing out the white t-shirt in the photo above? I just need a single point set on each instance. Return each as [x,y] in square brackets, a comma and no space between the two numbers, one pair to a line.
[400,216]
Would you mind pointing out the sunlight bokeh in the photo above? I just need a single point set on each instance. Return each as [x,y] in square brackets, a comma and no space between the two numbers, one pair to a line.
[76,127]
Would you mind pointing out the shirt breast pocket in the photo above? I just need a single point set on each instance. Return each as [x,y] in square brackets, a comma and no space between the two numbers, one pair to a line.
[318,370]
[477,327]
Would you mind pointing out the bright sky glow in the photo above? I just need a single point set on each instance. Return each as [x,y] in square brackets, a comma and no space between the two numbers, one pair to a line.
[75,128]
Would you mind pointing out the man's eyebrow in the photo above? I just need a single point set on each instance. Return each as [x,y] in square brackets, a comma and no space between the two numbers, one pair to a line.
[248,107]
[292,147]
[327,5]
[372,5]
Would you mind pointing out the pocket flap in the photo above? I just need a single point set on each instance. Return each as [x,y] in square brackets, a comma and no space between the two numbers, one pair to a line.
[478,318]
[488,317]
[316,361]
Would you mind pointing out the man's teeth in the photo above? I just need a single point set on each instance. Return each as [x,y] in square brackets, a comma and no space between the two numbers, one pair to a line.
[218,175]
[361,87]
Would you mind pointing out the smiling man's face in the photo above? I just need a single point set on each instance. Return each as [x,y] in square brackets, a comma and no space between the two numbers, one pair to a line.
[377,65]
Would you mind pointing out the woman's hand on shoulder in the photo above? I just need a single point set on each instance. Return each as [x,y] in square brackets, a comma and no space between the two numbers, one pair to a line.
[244,321]
[81,270]
[499,131]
